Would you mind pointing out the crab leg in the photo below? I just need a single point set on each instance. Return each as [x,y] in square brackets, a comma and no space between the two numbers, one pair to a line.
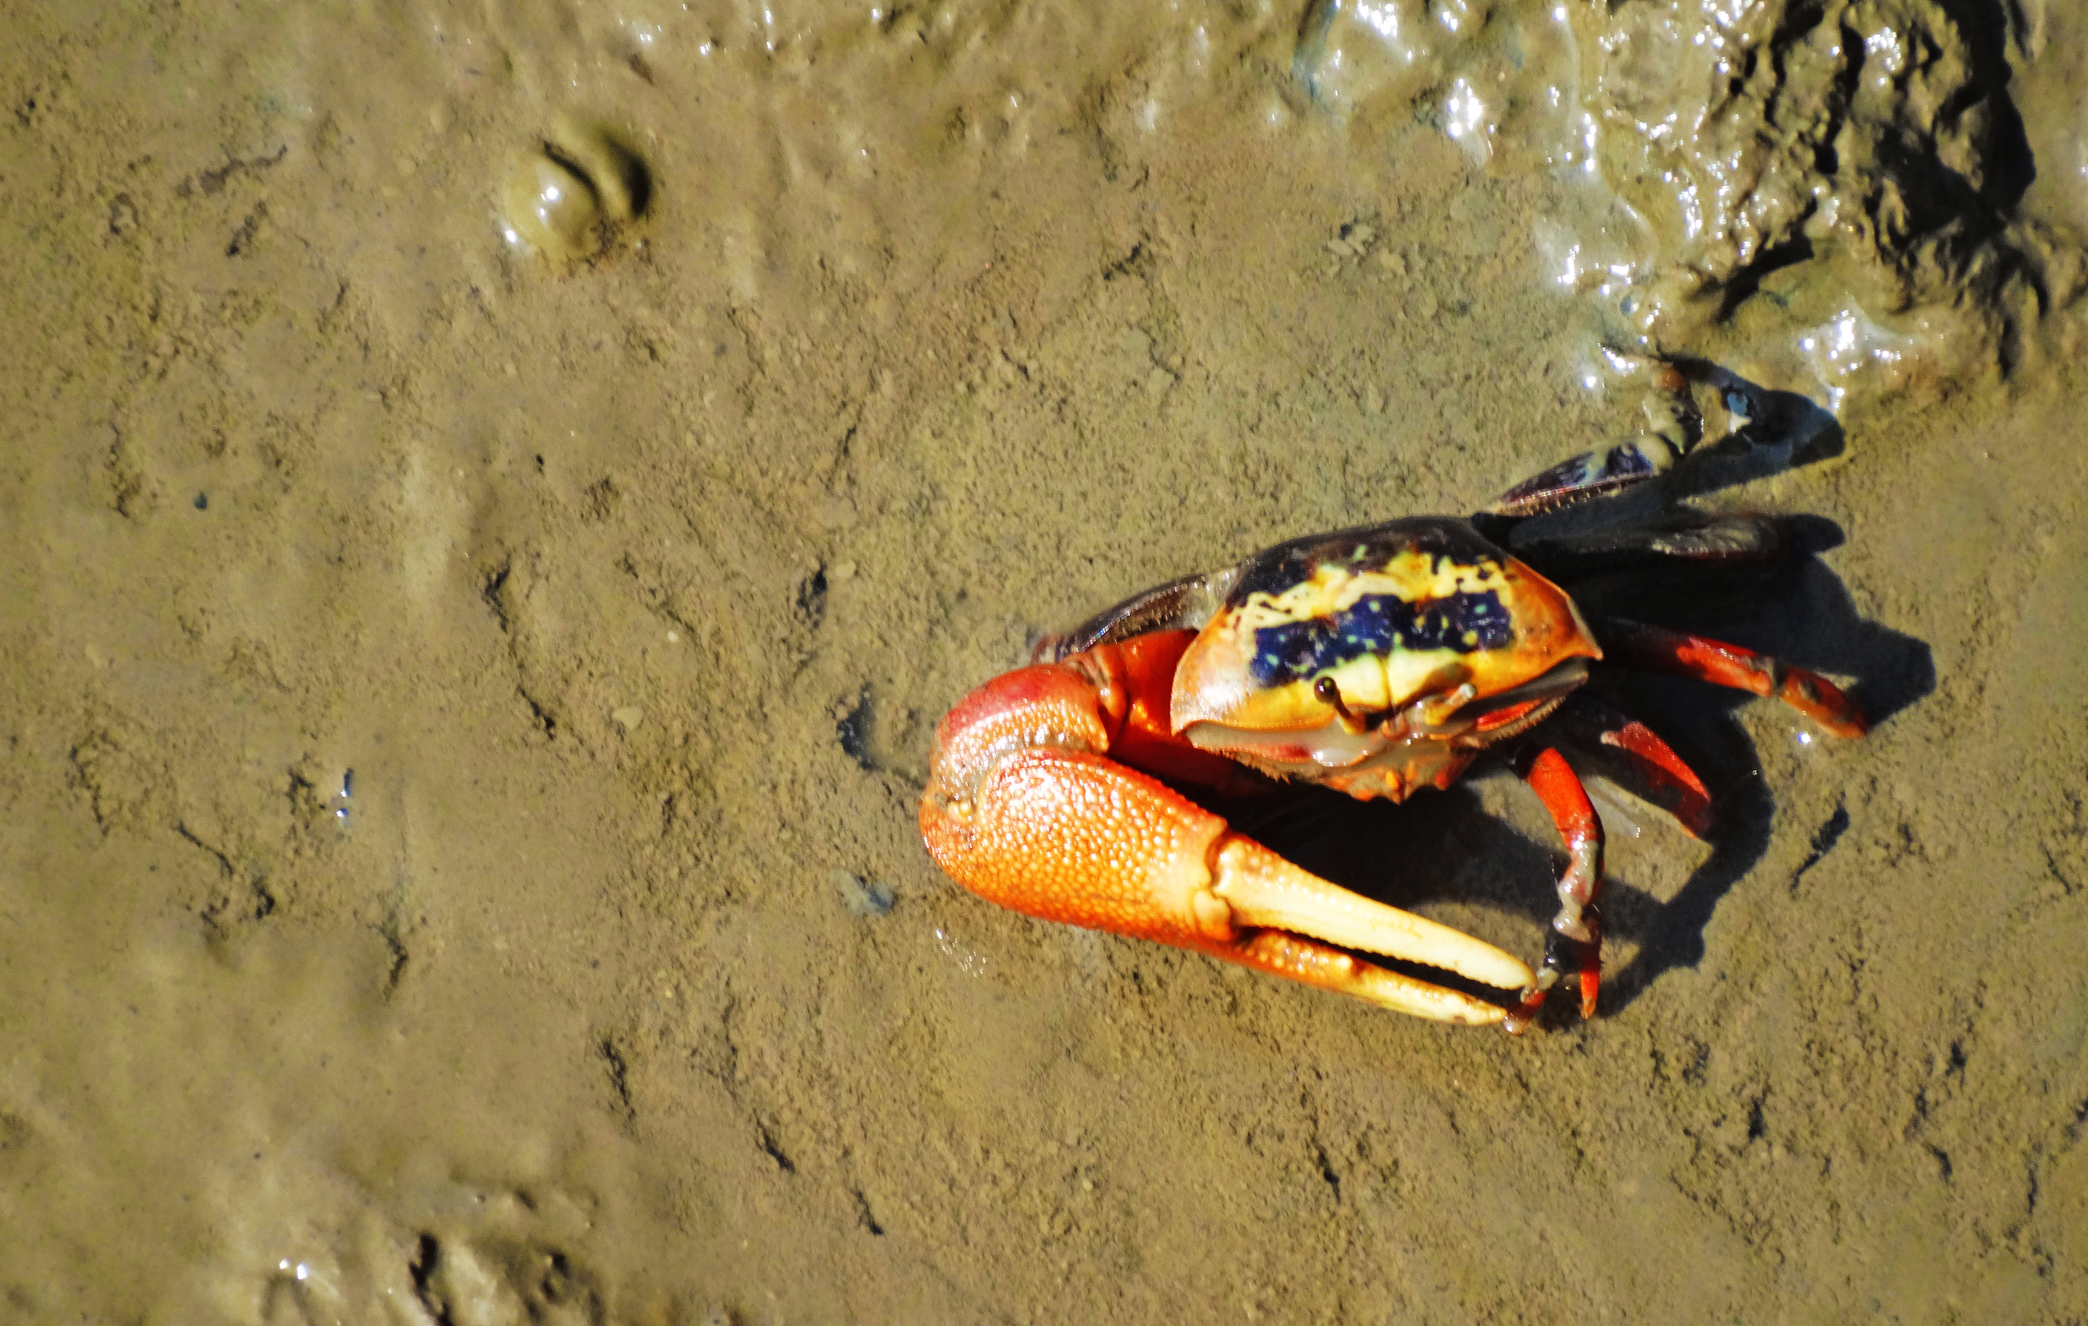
[1650,649]
[1024,809]
[1673,427]
[1574,943]
[1634,757]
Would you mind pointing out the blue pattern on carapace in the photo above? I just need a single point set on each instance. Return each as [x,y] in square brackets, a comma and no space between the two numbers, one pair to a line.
[1378,624]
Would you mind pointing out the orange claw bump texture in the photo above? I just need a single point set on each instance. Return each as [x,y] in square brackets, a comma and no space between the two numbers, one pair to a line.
[1023,809]
[1067,835]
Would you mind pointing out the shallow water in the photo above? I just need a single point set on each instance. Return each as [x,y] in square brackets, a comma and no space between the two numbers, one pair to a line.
[463,708]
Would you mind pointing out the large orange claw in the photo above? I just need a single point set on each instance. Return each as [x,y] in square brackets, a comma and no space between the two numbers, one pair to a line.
[1025,808]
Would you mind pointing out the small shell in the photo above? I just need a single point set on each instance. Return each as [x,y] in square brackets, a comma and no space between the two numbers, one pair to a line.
[551,208]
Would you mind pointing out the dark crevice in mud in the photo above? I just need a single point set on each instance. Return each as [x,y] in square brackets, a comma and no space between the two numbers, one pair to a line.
[212,181]
[261,902]
[560,1284]
[396,956]
[619,1077]
[812,598]
[243,242]
[491,589]
[774,1151]
[427,1257]
[495,589]
[853,730]
[1133,263]
[1327,1170]
[189,836]
[546,721]
[1823,841]
[868,1220]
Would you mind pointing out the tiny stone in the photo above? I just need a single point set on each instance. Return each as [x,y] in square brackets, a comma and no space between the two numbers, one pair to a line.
[628,718]
[841,571]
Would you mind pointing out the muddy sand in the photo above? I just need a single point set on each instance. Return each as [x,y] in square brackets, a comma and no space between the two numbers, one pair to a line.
[496,498]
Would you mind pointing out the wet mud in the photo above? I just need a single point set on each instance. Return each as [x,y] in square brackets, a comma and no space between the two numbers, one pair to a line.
[496,500]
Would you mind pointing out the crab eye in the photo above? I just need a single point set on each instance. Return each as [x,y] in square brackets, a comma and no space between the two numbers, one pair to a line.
[1328,692]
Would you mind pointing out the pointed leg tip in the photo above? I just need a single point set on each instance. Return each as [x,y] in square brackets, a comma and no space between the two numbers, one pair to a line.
[1517,1020]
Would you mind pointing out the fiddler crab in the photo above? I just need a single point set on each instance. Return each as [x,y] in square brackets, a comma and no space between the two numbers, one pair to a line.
[1375,661]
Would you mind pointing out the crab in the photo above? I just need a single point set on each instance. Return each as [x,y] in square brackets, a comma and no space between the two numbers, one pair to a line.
[1375,661]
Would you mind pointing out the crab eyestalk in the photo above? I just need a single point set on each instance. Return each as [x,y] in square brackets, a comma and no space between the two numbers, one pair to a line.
[1328,692]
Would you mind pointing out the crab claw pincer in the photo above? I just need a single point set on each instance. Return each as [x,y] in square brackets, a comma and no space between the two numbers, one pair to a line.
[1026,808]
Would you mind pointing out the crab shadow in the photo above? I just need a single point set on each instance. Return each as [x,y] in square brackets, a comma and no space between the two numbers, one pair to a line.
[1444,846]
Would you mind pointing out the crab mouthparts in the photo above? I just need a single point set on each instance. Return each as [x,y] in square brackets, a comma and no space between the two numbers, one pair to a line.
[1417,735]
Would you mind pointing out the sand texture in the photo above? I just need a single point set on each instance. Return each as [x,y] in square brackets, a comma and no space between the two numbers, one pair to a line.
[495,499]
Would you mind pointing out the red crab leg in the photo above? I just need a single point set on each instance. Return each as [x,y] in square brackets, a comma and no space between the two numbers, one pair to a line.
[1650,649]
[1634,757]
[1663,776]
[1574,943]
[1024,808]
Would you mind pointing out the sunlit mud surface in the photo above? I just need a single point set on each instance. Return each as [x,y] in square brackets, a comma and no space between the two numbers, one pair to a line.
[1823,194]
[496,499]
